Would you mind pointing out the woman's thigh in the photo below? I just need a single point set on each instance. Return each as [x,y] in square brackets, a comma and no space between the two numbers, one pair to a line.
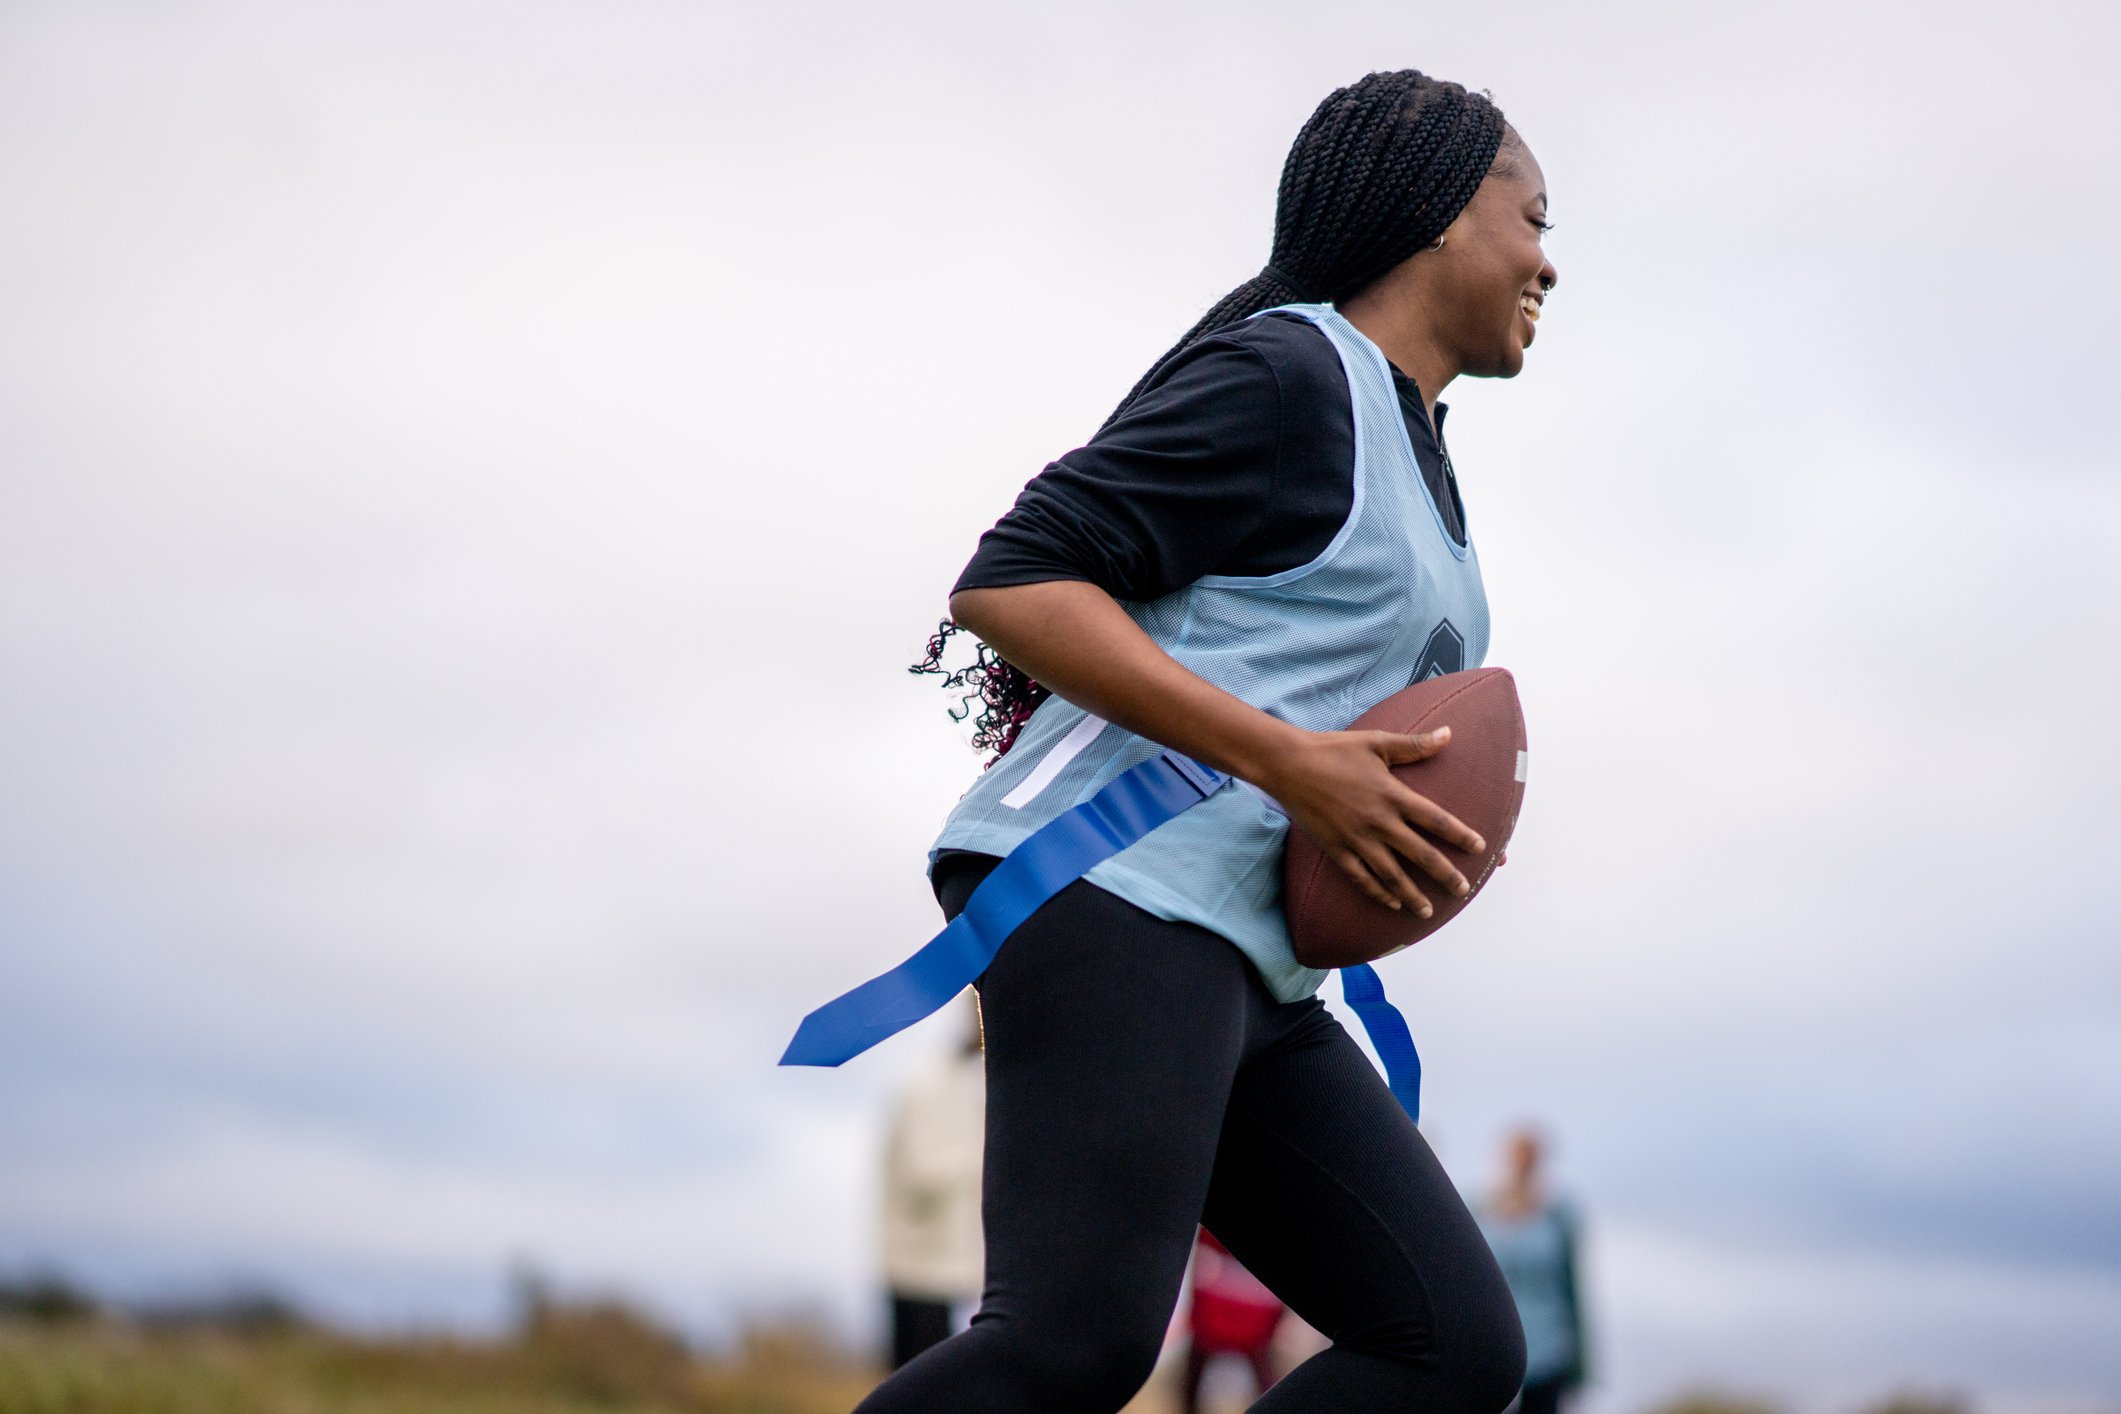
[1112,1041]
[1327,1191]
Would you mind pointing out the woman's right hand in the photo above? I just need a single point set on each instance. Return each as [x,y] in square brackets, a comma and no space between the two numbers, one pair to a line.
[1339,788]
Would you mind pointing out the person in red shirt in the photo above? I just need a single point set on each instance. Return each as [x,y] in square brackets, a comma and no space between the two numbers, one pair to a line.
[1233,1313]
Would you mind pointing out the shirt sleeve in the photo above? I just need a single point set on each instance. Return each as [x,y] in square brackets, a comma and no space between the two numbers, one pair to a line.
[1165,495]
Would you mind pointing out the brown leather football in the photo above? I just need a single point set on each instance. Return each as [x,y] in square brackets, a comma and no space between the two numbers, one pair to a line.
[1479,777]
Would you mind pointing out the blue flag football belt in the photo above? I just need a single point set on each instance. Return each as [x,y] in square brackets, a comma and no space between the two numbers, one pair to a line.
[1051,858]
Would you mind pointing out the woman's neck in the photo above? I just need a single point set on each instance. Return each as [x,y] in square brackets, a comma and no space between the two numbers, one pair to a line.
[1394,323]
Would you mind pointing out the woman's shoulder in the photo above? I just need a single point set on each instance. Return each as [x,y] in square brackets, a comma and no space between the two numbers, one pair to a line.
[1294,350]
[1272,379]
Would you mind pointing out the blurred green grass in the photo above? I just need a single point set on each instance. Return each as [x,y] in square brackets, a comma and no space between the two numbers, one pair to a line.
[602,1358]
[62,1352]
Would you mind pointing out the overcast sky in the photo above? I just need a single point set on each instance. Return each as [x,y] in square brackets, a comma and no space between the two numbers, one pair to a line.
[471,477]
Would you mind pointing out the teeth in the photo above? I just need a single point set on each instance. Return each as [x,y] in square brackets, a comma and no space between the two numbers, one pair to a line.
[1531,308]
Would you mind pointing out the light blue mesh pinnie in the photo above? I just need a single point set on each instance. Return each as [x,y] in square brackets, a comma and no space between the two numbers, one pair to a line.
[1390,601]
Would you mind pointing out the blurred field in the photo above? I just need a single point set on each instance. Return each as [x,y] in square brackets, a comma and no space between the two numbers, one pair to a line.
[601,1358]
[596,1361]
[600,1361]
[61,1353]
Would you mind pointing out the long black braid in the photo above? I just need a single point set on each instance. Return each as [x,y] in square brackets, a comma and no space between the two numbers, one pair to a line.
[1380,170]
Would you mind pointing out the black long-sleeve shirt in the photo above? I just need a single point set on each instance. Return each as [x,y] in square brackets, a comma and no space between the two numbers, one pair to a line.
[1238,460]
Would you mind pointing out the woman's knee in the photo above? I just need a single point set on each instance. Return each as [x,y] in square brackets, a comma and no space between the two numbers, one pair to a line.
[1475,1363]
[1102,1375]
[1491,1370]
[1080,1365]
[1016,1366]
[1483,1351]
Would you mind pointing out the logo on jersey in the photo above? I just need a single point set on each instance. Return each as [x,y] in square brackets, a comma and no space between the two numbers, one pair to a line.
[1445,652]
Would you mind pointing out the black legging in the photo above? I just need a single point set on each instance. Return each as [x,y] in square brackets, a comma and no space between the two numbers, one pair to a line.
[1141,1080]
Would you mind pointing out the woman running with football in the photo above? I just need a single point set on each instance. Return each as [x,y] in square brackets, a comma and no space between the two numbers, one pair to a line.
[1263,540]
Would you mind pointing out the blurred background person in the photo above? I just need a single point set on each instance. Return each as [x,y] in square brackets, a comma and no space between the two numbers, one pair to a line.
[1232,1313]
[933,1258]
[1533,1234]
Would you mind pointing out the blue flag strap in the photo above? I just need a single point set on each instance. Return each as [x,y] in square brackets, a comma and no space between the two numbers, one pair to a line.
[1047,861]
[1051,858]
[1365,995]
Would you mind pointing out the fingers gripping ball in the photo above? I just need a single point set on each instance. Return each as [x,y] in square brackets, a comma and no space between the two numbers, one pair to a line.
[1478,777]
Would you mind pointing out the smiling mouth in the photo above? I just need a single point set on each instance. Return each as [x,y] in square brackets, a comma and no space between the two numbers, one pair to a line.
[1530,306]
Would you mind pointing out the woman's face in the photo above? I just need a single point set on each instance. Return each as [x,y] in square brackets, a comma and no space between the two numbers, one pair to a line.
[1491,276]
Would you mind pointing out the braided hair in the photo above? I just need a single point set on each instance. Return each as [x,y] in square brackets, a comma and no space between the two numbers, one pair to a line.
[1382,167]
